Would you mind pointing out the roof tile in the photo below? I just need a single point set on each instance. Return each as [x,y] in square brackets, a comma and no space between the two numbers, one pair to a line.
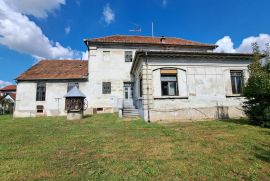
[56,69]
[147,40]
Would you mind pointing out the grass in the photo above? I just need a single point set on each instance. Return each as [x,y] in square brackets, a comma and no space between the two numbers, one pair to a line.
[104,147]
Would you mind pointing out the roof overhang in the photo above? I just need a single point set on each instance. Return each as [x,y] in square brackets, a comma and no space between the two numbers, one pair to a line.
[195,55]
[89,42]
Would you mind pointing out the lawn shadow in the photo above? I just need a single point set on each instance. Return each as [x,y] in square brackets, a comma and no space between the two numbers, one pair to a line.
[262,152]
[241,121]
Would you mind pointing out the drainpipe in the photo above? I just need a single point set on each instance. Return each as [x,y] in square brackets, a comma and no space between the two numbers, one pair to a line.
[147,82]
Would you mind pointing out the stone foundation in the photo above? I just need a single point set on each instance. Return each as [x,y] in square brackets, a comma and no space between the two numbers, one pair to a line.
[185,114]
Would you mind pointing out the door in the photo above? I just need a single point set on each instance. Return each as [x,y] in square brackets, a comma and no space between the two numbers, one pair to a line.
[128,93]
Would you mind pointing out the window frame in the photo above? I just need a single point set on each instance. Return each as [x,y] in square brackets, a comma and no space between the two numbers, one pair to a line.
[109,87]
[168,84]
[234,83]
[41,91]
[130,54]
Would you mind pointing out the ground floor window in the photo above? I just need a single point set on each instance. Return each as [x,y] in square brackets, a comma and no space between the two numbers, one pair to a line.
[41,91]
[106,87]
[169,85]
[237,81]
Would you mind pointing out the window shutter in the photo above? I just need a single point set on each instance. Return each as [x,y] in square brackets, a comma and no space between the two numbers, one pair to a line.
[227,81]
[156,83]
[182,83]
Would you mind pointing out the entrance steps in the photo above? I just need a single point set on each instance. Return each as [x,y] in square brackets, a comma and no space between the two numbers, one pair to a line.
[130,111]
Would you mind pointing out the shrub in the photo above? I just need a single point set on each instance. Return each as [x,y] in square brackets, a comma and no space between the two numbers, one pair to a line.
[257,90]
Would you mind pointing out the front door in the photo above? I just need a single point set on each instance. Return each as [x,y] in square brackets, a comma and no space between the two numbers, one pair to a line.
[128,93]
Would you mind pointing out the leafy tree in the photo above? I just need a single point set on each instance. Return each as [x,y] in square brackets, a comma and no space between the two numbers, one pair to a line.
[257,90]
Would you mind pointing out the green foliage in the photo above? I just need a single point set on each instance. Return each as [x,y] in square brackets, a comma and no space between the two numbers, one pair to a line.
[257,90]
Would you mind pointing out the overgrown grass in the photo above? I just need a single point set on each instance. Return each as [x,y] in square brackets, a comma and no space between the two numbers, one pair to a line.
[104,147]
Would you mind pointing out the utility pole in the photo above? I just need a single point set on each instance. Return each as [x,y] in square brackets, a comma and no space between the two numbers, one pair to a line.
[152,29]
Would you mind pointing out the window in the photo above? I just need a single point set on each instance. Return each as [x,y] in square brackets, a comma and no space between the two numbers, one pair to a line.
[106,87]
[71,85]
[41,91]
[237,81]
[106,55]
[169,85]
[128,56]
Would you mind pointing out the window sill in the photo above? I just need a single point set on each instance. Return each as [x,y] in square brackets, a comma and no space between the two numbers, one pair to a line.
[171,97]
[234,95]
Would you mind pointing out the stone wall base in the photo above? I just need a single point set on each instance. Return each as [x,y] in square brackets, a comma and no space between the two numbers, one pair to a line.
[186,114]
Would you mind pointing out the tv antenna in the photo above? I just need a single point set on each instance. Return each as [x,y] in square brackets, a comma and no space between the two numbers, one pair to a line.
[137,28]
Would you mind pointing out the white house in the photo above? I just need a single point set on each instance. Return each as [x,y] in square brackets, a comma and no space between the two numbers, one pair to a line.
[159,78]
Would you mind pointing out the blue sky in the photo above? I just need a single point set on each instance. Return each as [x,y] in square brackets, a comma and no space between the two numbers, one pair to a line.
[54,29]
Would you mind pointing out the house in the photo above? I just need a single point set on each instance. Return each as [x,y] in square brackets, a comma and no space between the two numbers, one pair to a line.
[158,78]
[7,99]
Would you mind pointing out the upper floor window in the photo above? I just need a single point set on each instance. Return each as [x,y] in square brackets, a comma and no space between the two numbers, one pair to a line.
[106,87]
[71,85]
[128,56]
[169,86]
[41,91]
[237,81]
[106,55]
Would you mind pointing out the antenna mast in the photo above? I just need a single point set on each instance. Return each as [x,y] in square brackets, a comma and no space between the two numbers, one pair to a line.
[152,29]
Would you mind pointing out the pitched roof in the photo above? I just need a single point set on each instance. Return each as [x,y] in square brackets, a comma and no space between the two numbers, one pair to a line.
[147,40]
[9,88]
[75,92]
[12,95]
[56,69]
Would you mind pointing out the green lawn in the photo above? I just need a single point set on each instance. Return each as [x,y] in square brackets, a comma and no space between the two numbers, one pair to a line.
[104,147]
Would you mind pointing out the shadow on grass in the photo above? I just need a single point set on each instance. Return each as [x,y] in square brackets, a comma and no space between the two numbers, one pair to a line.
[262,152]
[241,121]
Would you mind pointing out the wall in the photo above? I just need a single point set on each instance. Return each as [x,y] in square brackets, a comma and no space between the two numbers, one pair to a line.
[116,71]
[54,104]
[204,89]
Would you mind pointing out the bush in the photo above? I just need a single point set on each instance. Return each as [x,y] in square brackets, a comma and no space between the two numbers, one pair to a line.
[257,90]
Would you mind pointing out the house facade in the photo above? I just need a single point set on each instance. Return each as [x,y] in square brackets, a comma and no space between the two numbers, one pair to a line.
[158,78]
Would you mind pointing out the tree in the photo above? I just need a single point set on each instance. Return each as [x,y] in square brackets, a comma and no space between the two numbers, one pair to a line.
[257,89]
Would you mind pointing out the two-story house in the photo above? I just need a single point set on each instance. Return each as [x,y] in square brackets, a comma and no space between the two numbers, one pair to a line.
[159,78]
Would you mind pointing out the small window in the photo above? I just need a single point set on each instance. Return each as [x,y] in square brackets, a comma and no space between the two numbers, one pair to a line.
[100,109]
[237,81]
[169,85]
[106,55]
[40,108]
[128,56]
[41,91]
[71,85]
[106,87]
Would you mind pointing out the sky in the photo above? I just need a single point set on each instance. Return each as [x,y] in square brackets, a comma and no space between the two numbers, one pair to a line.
[31,30]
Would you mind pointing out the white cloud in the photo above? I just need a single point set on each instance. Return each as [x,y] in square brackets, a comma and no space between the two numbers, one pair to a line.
[85,55]
[226,44]
[67,30]
[164,3]
[4,83]
[19,33]
[108,14]
[37,8]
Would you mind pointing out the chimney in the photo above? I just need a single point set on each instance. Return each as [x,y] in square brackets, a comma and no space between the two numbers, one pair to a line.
[162,39]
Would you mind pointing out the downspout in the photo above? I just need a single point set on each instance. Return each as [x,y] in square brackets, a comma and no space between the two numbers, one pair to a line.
[147,82]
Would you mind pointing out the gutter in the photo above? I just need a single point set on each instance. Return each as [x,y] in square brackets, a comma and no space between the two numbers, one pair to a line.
[147,82]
